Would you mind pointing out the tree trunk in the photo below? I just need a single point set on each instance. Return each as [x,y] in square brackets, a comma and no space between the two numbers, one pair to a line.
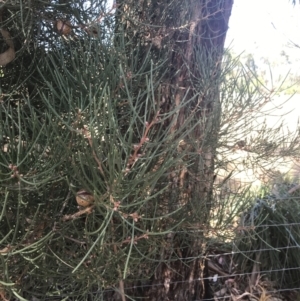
[187,37]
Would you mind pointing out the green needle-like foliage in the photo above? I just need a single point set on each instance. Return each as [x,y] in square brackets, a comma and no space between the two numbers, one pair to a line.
[113,122]
[98,127]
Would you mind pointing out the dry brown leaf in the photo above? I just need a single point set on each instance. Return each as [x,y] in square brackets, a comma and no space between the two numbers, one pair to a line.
[64,27]
[9,55]
[5,249]
[2,295]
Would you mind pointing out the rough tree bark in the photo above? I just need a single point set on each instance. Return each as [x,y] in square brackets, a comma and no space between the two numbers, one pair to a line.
[190,35]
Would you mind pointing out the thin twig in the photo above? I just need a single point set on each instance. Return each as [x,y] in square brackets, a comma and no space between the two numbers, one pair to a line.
[294,189]
[134,157]
[86,210]
[121,282]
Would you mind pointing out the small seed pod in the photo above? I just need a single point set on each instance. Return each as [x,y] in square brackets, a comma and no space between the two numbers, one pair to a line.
[63,27]
[84,198]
